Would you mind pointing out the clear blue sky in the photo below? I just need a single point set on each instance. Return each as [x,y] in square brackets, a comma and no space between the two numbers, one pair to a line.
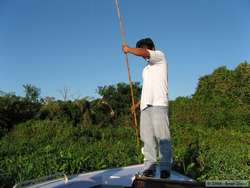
[54,44]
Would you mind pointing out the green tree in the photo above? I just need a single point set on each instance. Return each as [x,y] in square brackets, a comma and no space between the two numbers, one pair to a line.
[223,94]
[32,93]
[118,96]
[119,99]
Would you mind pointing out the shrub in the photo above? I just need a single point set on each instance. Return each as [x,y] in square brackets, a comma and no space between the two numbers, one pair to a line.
[40,148]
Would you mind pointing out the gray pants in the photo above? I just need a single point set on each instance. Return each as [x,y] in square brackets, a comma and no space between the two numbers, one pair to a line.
[155,134]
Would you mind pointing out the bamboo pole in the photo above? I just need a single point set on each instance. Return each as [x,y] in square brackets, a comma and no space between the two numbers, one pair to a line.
[129,75]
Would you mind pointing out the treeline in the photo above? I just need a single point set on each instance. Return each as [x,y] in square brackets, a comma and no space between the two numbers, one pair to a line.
[221,99]
[111,109]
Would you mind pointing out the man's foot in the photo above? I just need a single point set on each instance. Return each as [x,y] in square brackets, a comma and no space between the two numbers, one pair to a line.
[165,174]
[148,173]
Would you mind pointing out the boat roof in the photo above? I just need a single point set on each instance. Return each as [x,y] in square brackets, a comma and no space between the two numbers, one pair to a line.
[115,177]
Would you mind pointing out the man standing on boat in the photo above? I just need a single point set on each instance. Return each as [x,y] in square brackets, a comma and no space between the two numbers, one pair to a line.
[154,122]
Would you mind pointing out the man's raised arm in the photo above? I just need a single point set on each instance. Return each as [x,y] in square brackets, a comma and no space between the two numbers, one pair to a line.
[136,51]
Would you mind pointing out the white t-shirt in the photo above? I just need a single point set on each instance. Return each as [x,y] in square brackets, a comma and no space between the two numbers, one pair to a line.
[155,83]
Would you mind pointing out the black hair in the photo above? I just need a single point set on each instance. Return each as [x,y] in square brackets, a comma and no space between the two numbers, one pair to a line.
[148,42]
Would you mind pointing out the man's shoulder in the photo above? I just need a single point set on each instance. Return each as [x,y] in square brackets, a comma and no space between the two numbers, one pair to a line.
[159,52]
[156,52]
[156,56]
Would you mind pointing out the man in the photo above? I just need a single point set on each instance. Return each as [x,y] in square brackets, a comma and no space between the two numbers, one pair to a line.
[154,123]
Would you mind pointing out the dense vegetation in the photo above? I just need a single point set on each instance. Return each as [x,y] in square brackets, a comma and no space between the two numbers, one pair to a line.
[210,131]
[221,99]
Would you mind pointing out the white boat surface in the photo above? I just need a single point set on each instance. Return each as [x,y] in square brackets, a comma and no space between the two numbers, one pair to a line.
[115,177]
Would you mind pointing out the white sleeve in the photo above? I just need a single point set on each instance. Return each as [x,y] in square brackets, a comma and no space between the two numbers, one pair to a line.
[156,56]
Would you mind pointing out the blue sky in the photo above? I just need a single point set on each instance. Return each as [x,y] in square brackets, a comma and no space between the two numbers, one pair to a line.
[54,44]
